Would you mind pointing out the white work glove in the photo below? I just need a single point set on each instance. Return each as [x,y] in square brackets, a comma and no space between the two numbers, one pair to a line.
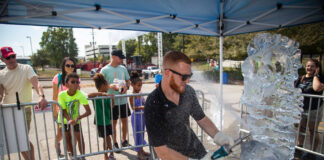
[221,139]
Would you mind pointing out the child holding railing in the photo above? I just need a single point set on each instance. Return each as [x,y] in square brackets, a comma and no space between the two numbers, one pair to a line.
[72,117]
[138,123]
[103,113]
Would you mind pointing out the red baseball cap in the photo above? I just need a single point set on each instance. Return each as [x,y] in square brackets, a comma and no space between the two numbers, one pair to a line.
[6,52]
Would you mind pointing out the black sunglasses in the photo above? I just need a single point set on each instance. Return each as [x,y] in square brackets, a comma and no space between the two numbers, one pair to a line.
[70,66]
[11,56]
[75,82]
[183,76]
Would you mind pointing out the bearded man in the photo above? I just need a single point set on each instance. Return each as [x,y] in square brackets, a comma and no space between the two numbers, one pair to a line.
[167,111]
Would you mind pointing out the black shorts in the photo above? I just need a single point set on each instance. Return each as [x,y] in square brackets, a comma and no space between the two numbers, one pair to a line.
[101,131]
[122,111]
[67,128]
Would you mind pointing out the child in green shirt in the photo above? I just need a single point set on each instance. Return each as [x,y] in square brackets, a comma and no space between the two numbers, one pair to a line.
[103,113]
[68,100]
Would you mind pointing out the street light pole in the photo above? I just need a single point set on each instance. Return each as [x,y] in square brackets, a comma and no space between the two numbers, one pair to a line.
[31,46]
[22,47]
[94,52]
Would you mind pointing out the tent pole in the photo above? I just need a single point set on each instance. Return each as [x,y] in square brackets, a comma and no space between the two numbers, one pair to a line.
[221,80]
[221,27]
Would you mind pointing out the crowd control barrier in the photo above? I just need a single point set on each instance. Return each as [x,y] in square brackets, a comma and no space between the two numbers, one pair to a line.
[16,133]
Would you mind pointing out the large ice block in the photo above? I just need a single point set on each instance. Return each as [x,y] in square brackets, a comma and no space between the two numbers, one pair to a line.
[273,103]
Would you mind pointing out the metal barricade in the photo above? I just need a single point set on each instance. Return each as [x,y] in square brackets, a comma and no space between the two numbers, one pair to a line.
[43,130]
[22,123]
[309,135]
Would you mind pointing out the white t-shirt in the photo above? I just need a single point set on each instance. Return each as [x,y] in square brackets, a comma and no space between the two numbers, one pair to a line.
[17,80]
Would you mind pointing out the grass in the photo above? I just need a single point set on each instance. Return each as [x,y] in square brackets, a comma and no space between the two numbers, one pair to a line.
[201,66]
[50,73]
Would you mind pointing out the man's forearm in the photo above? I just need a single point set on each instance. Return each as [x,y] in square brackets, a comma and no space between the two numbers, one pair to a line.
[38,88]
[166,153]
[208,126]
[1,92]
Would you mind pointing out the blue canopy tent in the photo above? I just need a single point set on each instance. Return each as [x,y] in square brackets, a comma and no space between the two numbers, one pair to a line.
[203,17]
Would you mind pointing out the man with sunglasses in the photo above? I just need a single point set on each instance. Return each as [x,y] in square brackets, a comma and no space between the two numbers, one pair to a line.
[115,72]
[19,78]
[167,111]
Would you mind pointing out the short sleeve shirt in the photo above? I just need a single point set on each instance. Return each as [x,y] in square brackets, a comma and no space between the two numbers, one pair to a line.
[168,123]
[103,112]
[121,73]
[17,80]
[306,85]
[65,100]
[61,87]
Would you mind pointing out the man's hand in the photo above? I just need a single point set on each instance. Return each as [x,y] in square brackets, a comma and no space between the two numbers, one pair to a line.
[125,88]
[113,87]
[42,102]
[221,139]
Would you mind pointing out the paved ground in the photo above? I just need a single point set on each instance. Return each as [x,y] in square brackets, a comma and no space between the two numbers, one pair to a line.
[231,121]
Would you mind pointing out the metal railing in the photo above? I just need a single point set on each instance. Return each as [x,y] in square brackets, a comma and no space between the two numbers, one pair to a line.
[308,138]
[42,132]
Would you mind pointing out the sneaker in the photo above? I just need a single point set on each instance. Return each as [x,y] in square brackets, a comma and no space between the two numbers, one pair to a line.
[111,157]
[126,144]
[116,147]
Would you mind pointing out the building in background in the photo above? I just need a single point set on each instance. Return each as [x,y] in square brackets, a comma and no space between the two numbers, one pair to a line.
[99,50]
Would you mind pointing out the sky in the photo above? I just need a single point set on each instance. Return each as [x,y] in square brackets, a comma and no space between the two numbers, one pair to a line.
[15,36]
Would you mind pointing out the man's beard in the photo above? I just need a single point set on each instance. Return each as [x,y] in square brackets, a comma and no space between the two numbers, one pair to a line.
[175,87]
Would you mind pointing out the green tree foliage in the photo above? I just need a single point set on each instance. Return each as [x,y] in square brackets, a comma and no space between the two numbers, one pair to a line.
[130,46]
[201,48]
[40,59]
[58,43]
[309,36]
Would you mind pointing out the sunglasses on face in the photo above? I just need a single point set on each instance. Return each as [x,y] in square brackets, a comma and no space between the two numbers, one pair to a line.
[70,65]
[12,56]
[184,77]
[75,82]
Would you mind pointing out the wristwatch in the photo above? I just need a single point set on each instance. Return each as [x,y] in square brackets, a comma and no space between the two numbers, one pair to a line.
[42,95]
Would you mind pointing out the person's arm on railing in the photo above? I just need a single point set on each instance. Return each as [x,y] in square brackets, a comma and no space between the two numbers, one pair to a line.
[96,94]
[131,102]
[86,114]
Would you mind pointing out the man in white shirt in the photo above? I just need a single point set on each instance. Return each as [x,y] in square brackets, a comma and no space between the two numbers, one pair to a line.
[19,78]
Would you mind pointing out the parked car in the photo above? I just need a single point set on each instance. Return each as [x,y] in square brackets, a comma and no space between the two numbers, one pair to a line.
[151,71]
[93,71]
[2,65]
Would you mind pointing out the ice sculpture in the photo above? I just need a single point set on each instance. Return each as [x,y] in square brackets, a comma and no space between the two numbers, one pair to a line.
[272,101]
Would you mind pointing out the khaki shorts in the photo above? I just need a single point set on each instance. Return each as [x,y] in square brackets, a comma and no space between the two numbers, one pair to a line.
[28,113]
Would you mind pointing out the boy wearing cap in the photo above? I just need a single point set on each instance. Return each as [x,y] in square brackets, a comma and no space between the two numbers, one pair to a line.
[113,73]
[19,78]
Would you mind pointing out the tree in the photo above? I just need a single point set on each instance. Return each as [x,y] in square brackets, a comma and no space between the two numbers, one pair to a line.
[40,59]
[310,37]
[130,46]
[59,43]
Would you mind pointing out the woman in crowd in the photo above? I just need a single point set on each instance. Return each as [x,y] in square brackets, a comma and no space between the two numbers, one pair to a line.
[68,66]
[311,83]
